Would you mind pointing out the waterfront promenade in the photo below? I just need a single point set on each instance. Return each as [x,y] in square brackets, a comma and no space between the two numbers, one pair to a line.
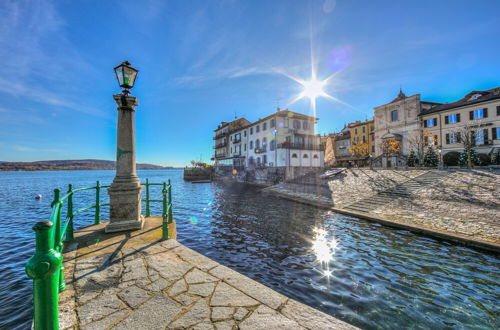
[134,280]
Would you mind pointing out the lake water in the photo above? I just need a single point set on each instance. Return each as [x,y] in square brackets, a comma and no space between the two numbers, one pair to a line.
[363,273]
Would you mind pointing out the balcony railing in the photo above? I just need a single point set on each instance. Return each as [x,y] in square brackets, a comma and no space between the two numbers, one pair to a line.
[220,135]
[220,145]
[301,146]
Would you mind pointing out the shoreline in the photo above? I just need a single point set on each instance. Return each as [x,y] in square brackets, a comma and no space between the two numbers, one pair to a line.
[437,234]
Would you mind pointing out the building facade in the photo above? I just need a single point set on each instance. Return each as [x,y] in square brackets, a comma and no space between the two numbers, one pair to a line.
[343,155]
[362,140]
[283,139]
[397,126]
[475,117]
[222,155]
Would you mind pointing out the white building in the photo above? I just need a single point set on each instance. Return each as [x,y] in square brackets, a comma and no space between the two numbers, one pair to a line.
[283,139]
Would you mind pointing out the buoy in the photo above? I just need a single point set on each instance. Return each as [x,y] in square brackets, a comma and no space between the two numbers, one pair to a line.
[39,196]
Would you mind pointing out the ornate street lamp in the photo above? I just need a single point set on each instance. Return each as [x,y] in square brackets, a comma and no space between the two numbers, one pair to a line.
[126,75]
[125,191]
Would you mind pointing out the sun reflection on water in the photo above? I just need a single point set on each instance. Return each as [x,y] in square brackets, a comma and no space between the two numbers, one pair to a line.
[324,248]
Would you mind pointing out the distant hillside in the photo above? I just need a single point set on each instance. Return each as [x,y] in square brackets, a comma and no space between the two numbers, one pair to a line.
[78,164]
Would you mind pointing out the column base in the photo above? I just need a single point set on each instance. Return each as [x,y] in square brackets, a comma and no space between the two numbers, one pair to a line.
[126,225]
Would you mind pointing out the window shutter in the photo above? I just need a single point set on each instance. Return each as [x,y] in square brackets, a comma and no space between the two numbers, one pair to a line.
[435,121]
[485,113]
[459,137]
[485,133]
[446,120]
[494,133]
[425,123]
[458,117]
[471,115]
[447,138]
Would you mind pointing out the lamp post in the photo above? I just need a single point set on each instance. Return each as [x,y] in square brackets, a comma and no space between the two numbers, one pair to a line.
[125,191]
[440,150]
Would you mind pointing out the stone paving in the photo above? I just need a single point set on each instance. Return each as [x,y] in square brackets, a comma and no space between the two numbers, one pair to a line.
[464,202]
[136,281]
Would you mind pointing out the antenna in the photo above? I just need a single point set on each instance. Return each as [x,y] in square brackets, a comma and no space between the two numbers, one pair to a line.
[235,117]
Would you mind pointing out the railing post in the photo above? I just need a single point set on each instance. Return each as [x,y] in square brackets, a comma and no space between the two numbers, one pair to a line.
[170,216]
[164,213]
[69,231]
[97,217]
[58,244]
[147,199]
[43,268]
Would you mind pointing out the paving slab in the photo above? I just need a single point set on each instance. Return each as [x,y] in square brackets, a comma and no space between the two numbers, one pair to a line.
[137,281]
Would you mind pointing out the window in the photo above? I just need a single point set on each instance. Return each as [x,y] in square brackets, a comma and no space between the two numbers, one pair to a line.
[257,129]
[258,160]
[355,131]
[264,159]
[294,155]
[296,124]
[305,156]
[251,160]
[273,123]
[272,145]
[394,115]
[363,129]
[251,145]
[495,133]
[245,133]
[257,144]
[475,97]
[251,132]
[364,139]
[498,110]
[430,122]
[478,114]
[245,147]
[315,156]
[264,142]
[452,138]
[480,137]
[264,126]
[452,119]
[305,125]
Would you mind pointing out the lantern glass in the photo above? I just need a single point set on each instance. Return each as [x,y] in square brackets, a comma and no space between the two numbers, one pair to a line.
[126,75]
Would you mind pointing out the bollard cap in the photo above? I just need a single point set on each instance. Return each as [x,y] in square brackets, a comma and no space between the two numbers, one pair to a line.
[43,225]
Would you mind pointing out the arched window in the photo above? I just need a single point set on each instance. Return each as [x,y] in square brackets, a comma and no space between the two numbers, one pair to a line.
[305,125]
[272,144]
[315,156]
[257,144]
[296,124]
[294,155]
[305,156]
[251,145]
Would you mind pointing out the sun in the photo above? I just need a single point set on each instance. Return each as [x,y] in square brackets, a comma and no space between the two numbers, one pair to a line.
[313,88]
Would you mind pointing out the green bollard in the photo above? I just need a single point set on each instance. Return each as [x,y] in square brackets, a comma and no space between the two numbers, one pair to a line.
[164,225]
[147,199]
[58,244]
[43,268]
[97,216]
[69,215]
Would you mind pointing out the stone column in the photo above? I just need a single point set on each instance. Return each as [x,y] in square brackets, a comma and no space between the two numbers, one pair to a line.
[125,191]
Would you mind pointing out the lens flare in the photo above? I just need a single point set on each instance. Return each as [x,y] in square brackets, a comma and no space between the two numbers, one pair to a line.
[193,220]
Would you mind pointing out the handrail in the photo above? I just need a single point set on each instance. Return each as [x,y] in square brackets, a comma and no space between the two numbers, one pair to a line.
[46,268]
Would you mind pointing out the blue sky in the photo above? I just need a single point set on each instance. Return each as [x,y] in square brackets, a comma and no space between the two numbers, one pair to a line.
[202,62]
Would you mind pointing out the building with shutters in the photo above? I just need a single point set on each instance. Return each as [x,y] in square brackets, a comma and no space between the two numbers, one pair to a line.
[478,112]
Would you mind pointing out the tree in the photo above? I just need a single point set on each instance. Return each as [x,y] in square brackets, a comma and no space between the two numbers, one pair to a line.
[412,159]
[416,141]
[431,158]
[390,147]
[329,151]
[466,135]
[359,149]
[495,157]
[468,158]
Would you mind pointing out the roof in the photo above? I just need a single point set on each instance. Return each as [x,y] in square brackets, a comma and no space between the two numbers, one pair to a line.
[473,97]
[359,123]
[400,96]
[343,136]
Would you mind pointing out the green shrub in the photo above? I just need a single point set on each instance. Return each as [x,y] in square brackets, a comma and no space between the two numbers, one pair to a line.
[412,159]
[485,159]
[430,158]
[451,158]
[469,154]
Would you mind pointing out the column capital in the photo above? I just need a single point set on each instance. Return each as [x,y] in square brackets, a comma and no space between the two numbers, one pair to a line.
[125,101]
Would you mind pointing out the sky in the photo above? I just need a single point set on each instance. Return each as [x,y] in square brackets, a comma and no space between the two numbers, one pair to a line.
[203,62]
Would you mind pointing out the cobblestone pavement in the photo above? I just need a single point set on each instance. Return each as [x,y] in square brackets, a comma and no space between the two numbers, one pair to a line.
[464,202]
[135,281]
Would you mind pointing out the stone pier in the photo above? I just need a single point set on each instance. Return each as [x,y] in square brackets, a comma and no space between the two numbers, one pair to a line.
[133,280]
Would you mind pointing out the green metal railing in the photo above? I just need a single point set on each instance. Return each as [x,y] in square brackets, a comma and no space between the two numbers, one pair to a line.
[46,268]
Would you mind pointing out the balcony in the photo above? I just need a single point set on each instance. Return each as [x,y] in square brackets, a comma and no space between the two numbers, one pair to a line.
[237,140]
[300,146]
[220,135]
[260,150]
[220,145]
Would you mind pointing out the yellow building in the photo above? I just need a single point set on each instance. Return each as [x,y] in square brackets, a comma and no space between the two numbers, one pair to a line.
[362,139]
